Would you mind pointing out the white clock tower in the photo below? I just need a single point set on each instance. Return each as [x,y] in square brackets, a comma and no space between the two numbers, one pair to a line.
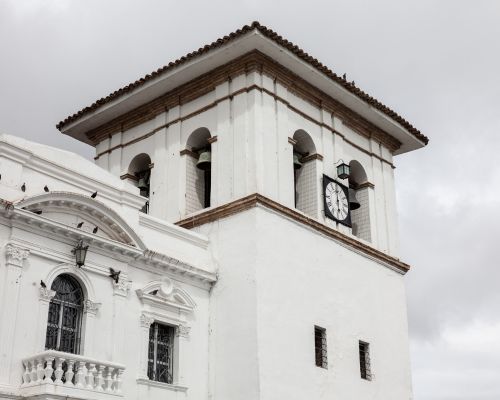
[287,168]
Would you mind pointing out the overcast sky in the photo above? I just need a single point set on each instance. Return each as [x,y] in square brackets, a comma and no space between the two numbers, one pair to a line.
[436,62]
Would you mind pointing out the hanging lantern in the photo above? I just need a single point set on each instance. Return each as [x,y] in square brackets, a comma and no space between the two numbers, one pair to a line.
[296,161]
[80,252]
[205,160]
[353,201]
[343,171]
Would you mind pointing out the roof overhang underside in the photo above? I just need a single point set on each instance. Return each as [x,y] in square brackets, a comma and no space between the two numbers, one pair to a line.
[199,65]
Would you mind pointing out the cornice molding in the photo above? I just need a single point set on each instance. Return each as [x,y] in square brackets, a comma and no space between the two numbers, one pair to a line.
[252,61]
[256,199]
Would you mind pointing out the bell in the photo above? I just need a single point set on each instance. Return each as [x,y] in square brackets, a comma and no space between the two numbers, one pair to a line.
[142,185]
[353,201]
[204,160]
[296,162]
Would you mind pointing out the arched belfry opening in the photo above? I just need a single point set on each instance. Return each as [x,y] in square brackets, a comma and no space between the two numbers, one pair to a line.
[140,169]
[359,187]
[198,170]
[305,173]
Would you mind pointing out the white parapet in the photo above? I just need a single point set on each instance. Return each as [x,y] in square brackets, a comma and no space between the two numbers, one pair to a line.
[64,374]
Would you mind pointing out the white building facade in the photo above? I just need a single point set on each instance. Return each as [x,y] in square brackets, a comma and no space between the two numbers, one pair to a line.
[238,278]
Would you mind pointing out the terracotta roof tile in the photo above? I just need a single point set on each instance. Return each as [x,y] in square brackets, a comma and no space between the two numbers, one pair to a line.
[350,86]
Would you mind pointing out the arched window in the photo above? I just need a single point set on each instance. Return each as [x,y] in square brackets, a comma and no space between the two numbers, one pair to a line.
[140,168]
[198,170]
[65,315]
[305,173]
[360,217]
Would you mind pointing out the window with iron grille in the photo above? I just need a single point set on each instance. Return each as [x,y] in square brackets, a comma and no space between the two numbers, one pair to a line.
[364,360]
[320,347]
[65,315]
[160,353]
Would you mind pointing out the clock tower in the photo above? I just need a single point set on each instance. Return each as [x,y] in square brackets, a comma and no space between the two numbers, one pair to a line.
[242,141]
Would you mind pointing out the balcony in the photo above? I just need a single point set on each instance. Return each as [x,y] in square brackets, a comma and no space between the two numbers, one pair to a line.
[55,374]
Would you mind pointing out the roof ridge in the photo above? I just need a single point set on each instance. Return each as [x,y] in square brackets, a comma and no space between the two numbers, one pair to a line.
[269,33]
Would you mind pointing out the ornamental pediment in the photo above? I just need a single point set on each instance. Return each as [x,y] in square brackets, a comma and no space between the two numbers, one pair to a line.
[84,213]
[165,294]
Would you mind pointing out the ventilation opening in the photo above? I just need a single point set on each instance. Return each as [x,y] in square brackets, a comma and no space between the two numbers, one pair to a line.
[320,347]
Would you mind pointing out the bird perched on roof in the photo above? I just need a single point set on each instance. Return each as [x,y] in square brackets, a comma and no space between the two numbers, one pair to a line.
[80,224]
[344,77]
[42,284]
[95,229]
[38,212]
[115,275]
[46,189]
[93,195]
[23,187]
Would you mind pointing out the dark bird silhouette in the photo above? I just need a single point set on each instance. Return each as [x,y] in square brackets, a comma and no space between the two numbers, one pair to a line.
[23,188]
[93,195]
[46,188]
[115,275]
[80,224]
[38,212]
[344,77]
[42,284]
[95,230]
[353,83]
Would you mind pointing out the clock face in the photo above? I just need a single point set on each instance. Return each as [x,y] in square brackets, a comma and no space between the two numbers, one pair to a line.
[336,201]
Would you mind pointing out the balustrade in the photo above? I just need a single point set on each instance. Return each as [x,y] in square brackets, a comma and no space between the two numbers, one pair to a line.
[72,370]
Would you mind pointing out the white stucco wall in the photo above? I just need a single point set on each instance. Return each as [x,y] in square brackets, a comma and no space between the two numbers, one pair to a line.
[252,154]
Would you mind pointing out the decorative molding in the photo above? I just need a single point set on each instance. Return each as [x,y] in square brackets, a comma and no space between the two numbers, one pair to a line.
[187,152]
[256,199]
[122,287]
[167,386]
[183,331]
[206,83]
[212,139]
[146,321]
[16,255]
[89,307]
[165,295]
[46,294]
[365,185]
[311,157]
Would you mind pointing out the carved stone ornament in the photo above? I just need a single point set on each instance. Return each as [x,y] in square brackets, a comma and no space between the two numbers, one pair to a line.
[146,321]
[122,287]
[46,294]
[183,331]
[16,255]
[89,307]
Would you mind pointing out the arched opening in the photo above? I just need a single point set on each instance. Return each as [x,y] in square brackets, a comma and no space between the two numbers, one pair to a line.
[359,186]
[198,170]
[140,168]
[304,173]
[64,322]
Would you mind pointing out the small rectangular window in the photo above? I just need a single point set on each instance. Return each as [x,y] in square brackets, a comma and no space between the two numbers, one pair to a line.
[364,360]
[161,353]
[320,347]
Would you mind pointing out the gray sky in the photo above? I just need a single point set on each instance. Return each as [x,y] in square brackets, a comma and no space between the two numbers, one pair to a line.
[435,62]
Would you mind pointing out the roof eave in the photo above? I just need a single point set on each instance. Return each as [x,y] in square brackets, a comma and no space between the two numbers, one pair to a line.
[253,40]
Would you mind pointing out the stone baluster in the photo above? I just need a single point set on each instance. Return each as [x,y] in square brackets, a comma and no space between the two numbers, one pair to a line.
[40,370]
[100,378]
[80,374]
[58,373]
[118,381]
[33,371]
[48,368]
[26,373]
[90,375]
[68,376]
[109,379]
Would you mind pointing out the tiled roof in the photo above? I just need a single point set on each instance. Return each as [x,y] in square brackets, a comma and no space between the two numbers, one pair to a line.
[350,86]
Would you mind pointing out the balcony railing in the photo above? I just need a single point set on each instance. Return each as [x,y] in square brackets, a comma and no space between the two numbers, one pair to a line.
[66,374]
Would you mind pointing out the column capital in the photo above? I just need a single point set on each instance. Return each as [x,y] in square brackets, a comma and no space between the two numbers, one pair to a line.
[122,287]
[183,331]
[46,294]
[89,307]
[15,255]
[146,321]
